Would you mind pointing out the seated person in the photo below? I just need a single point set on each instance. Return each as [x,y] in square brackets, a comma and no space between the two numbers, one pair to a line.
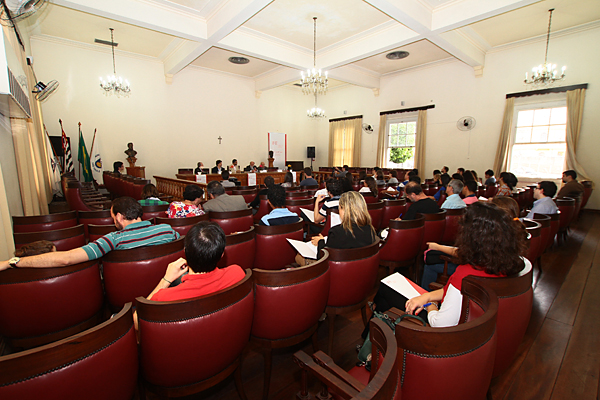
[35,248]
[380,179]
[251,167]
[233,168]
[421,203]
[132,232]
[394,179]
[369,187]
[453,201]
[362,175]
[280,214]
[347,183]
[198,169]
[437,177]
[489,178]
[334,190]
[118,167]
[490,244]
[356,229]
[309,180]
[445,178]
[288,181]
[262,166]
[150,196]
[337,173]
[460,171]
[543,203]
[221,201]
[470,192]
[269,181]
[225,179]
[218,168]
[571,188]
[508,181]
[189,207]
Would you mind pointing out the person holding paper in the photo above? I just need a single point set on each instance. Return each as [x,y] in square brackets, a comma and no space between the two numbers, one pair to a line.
[355,230]
[490,244]
[369,186]
[334,189]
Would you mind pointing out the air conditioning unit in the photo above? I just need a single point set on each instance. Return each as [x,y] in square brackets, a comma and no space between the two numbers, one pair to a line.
[14,93]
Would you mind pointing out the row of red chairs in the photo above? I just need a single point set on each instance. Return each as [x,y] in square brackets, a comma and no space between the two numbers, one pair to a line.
[124,185]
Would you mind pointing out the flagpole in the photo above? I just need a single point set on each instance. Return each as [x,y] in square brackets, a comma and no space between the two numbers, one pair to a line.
[64,155]
[93,140]
[78,152]
[92,155]
[53,150]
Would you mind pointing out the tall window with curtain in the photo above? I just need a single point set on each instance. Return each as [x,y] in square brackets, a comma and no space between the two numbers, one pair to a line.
[345,141]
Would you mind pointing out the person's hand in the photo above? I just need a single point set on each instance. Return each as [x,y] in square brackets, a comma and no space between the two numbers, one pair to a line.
[315,239]
[433,246]
[176,269]
[320,198]
[4,265]
[415,305]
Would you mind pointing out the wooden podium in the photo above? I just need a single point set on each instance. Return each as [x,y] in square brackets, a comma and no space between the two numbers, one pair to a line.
[138,172]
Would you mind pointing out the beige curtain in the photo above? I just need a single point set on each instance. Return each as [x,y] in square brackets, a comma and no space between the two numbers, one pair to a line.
[7,244]
[357,142]
[345,142]
[381,142]
[420,142]
[575,102]
[501,160]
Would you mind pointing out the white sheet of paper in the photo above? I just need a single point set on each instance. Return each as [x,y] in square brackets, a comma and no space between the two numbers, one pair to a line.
[306,249]
[482,198]
[252,179]
[321,191]
[399,283]
[335,219]
[293,176]
[391,189]
[201,179]
[310,214]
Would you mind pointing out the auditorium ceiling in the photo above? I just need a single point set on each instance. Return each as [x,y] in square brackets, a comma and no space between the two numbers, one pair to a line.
[353,36]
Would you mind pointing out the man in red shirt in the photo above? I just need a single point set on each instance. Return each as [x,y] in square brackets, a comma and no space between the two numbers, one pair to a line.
[204,246]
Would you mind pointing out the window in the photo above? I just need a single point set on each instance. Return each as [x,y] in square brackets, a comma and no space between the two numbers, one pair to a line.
[539,145]
[401,135]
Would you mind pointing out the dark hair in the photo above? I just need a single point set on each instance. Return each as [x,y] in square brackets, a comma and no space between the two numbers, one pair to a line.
[362,175]
[346,183]
[288,177]
[117,165]
[413,188]
[370,181]
[233,161]
[415,171]
[204,246]
[468,176]
[215,188]
[458,176]
[376,169]
[128,207]
[225,175]
[307,171]
[380,175]
[445,169]
[149,191]
[394,173]
[35,248]
[548,187]
[475,175]
[276,195]
[490,240]
[445,179]
[508,204]
[199,164]
[412,173]
[192,192]
[346,167]
[509,179]
[461,169]
[269,181]
[489,172]
[334,187]
[571,173]
[437,171]
[218,162]
[415,179]
[471,186]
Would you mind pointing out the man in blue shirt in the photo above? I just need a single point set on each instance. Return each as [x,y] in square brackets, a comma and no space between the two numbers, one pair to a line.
[453,201]
[280,214]
[543,194]
[309,180]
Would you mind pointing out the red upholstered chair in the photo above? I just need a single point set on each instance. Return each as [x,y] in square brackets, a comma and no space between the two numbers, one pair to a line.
[294,205]
[138,187]
[566,206]
[535,239]
[297,195]
[545,238]
[453,217]
[97,231]
[455,362]
[205,335]
[136,272]
[491,190]
[382,383]
[154,211]
[263,209]
[233,221]
[403,244]
[94,217]
[287,308]
[240,249]
[435,225]
[97,364]
[554,224]
[76,200]
[588,188]
[39,223]
[181,225]
[249,193]
[392,209]
[273,251]
[369,198]
[514,293]
[353,277]
[376,213]
[63,239]
[42,305]
[442,199]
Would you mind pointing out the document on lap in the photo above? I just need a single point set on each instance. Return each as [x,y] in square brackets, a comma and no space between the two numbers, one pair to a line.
[321,191]
[308,214]
[306,249]
[403,285]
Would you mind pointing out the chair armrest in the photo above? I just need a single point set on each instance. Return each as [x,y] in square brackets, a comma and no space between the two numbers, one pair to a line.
[330,381]
[396,313]
[330,366]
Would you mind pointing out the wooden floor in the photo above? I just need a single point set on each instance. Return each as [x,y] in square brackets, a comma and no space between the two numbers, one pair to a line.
[558,359]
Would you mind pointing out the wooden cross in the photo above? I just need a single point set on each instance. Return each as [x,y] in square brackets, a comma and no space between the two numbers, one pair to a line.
[219,139]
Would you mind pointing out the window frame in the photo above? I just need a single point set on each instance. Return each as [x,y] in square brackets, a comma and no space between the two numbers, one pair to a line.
[405,118]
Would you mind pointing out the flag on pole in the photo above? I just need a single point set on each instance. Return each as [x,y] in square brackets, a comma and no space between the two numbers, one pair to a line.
[96,159]
[56,168]
[68,167]
[84,158]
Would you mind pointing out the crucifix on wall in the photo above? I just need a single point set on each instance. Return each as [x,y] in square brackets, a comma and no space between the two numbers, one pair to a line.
[219,139]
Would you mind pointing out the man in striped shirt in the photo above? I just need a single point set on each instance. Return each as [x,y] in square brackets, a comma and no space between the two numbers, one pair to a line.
[132,232]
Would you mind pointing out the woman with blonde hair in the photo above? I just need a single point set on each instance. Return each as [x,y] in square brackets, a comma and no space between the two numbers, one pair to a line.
[356,229]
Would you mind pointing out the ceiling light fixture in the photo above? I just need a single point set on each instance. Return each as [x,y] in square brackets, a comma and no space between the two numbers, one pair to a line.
[397,55]
[315,112]
[113,84]
[238,60]
[546,74]
[314,81]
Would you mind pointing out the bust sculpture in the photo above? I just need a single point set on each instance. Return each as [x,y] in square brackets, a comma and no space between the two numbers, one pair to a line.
[131,153]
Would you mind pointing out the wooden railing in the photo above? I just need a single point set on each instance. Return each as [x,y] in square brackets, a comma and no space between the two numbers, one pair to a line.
[175,187]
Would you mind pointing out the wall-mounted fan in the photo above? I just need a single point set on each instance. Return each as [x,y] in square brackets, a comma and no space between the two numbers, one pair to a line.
[367,128]
[42,90]
[466,123]
[16,10]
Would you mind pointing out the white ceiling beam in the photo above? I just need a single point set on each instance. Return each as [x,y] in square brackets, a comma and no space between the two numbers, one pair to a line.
[460,47]
[182,55]
[277,77]
[233,15]
[356,76]
[410,13]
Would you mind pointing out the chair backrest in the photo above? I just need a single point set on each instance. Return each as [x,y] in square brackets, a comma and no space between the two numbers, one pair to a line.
[376,212]
[181,225]
[554,225]
[214,328]
[535,239]
[435,225]
[50,222]
[288,303]
[453,217]
[545,223]
[588,188]
[138,187]
[448,353]
[404,239]
[566,206]
[442,199]
[294,205]
[232,221]
[273,251]
[95,232]
[392,209]
[63,239]
[101,217]
[353,274]
[248,193]
[100,363]
[240,249]
[369,198]
[264,208]
[297,195]
[136,272]
[154,211]
[514,293]
[72,193]
[42,305]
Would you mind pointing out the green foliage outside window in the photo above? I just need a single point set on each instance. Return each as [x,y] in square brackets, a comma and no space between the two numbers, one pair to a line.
[399,155]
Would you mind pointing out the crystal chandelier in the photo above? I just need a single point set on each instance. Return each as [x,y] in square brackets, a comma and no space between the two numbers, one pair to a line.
[314,81]
[315,112]
[113,84]
[545,74]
